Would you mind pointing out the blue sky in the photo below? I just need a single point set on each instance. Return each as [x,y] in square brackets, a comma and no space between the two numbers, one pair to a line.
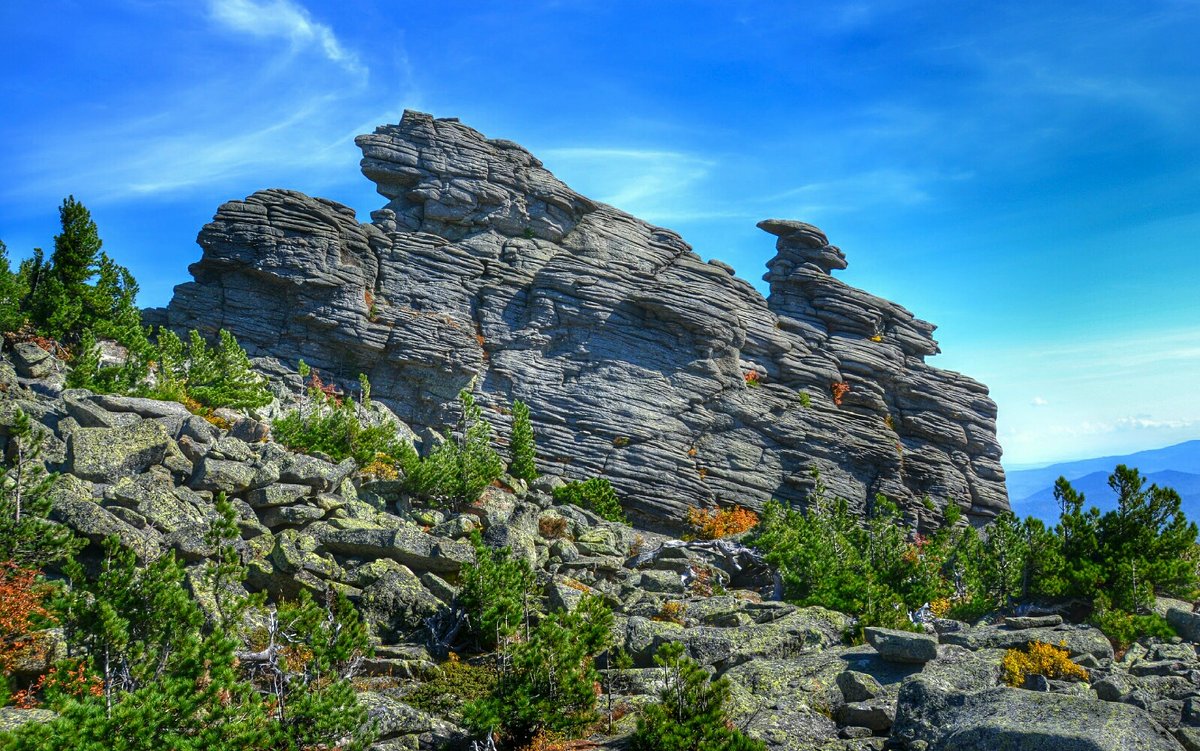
[1027,178]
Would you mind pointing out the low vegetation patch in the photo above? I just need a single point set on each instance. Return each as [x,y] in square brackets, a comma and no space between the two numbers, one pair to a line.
[596,495]
[1039,659]
[691,710]
[713,524]
[877,570]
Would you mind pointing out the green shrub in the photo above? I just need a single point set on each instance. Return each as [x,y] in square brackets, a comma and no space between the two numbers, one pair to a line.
[496,595]
[1142,547]
[1123,628]
[551,679]
[456,684]
[595,494]
[14,288]
[212,377]
[521,444]
[690,714]
[827,556]
[201,377]
[458,469]
[336,428]
[145,651]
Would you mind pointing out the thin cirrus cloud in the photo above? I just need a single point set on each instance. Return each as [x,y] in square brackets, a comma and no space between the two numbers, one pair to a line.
[678,186]
[1099,397]
[287,20]
[658,185]
[292,119]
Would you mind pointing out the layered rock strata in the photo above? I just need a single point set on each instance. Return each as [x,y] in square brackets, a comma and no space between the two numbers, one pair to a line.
[641,362]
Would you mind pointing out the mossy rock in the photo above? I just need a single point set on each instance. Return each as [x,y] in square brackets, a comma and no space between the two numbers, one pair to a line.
[107,454]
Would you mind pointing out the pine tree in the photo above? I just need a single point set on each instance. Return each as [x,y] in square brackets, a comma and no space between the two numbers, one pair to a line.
[223,377]
[551,680]
[690,713]
[13,289]
[1145,542]
[62,289]
[27,538]
[495,594]
[1004,559]
[521,444]
[460,467]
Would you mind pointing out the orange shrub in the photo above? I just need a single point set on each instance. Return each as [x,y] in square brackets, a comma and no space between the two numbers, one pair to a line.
[839,389]
[22,604]
[713,524]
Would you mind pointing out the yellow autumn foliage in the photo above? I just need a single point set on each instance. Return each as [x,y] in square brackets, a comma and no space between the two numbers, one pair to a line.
[1039,659]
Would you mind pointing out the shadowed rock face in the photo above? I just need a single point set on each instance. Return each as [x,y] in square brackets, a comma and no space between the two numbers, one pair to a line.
[634,354]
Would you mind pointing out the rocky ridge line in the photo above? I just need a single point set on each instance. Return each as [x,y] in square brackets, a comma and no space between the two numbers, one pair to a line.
[670,376]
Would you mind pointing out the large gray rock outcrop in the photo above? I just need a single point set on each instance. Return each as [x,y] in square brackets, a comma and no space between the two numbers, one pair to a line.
[931,717]
[670,376]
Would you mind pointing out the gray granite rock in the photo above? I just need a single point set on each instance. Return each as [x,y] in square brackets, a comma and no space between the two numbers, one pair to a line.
[902,646]
[105,454]
[931,717]
[631,351]
[1077,640]
[31,361]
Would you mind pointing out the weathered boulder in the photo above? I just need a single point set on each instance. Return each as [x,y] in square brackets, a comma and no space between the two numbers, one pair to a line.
[902,646]
[105,454]
[12,718]
[633,353]
[1181,617]
[1017,622]
[406,544]
[796,632]
[399,726]
[942,719]
[397,604]
[73,506]
[31,361]
[788,704]
[856,686]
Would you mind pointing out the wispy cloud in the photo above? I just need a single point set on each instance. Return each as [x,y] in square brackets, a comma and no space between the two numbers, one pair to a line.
[658,185]
[286,20]
[289,122]
[1038,401]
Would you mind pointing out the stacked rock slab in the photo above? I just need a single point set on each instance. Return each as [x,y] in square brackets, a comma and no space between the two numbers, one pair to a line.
[641,362]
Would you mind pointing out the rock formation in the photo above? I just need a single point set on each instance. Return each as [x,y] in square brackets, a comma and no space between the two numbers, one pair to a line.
[642,363]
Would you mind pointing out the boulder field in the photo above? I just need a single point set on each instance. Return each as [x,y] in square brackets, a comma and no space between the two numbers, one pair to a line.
[148,472]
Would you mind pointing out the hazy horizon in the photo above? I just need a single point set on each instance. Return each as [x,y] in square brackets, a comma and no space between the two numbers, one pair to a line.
[1022,177]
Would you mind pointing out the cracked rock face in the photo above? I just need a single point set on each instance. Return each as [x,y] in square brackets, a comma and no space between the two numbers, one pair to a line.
[640,362]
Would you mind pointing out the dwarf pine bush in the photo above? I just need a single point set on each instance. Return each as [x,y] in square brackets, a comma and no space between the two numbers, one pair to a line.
[457,470]
[595,494]
[521,444]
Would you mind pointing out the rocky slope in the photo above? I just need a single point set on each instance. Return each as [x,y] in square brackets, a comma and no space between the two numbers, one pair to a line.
[147,472]
[670,376]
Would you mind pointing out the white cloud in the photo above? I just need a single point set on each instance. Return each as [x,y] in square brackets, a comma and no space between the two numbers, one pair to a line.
[287,20]
[291,122]
[657,185]
[1038,401]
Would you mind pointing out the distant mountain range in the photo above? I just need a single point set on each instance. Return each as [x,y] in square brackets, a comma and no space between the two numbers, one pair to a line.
[1031,491]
